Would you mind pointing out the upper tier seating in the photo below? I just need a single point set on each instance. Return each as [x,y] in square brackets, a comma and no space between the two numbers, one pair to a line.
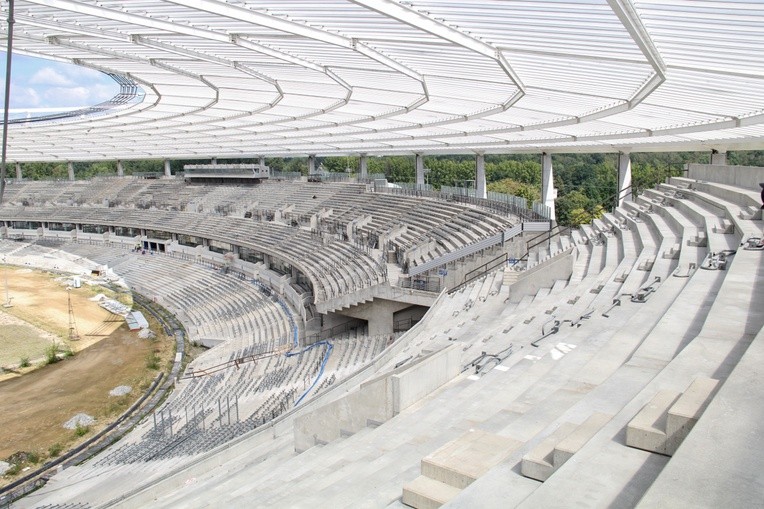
[431,228]
[334,268]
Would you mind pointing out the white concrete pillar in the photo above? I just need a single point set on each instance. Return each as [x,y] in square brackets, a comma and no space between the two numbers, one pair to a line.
[262,163]
[167,170]
[70,170]
[311,165]
[419,165]
[18,171]
[363,166]
[718,157]
[120,169]
[214,160]
[480,189]
[548,192]
[624,178]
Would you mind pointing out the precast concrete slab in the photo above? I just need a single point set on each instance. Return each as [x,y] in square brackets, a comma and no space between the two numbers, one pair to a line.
[463,460]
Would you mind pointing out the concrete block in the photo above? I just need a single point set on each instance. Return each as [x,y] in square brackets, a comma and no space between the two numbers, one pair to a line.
[560,446]
[424,377]
[460,462]
[426,493]
[349,414]
[377,400]
[572,443]
[684,414]
[647,429]
[539,463]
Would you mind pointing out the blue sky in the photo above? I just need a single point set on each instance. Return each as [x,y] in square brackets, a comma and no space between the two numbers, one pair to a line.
[41,84]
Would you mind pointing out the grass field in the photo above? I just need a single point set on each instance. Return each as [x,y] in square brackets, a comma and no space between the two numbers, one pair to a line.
[21,341]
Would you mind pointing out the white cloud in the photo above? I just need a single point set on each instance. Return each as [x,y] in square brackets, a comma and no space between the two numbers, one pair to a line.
[45,84]
[49,77]
[68,96]
[24,97]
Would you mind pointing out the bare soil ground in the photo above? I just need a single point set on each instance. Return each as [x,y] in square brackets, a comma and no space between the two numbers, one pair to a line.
[35,405]
[41,300]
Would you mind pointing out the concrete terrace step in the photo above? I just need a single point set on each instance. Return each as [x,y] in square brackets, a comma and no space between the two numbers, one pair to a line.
[455,466]
[426,493]
[724,448]
[560,446]
[663,424]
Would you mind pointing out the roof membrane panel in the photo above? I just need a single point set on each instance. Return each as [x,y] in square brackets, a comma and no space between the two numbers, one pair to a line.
[390,76]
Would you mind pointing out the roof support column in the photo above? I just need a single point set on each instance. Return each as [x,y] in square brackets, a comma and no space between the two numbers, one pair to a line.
[167,170]
[624,179]
[18,171]
[214,161]
[548,192]
[480,189]
[311,164]
[362,164]
[70,170]
[419,166]
[719,158]
[262,163]
[120,169]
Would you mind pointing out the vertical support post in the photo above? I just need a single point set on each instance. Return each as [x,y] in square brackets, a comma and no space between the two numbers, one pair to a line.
[480,188]
[7,98]
[262,164]
[548,192]
[167,170]
[120,169]
[70,170]
[419,165]
[363,168]
[718,157]
[624,179]
[311,164]
[19,175]
[214,161]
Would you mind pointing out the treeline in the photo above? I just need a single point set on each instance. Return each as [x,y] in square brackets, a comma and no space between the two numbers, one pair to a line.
[586,183]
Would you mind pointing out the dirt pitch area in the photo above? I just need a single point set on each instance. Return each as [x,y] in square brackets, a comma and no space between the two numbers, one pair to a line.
[35,403]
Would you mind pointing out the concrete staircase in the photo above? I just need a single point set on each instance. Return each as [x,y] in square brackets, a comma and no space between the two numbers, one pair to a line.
[665,422]
[455,466]
[560,446]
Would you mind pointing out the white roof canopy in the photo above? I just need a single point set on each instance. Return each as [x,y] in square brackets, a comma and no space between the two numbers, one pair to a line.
[236,78]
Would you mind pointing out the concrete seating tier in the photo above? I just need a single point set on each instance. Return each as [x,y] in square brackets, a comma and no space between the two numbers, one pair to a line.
[548,388]
[335,268]
[430,228]
[211,406]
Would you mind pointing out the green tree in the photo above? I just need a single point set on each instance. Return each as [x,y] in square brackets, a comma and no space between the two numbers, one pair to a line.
[530,192]
[574,208]
[527,171]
